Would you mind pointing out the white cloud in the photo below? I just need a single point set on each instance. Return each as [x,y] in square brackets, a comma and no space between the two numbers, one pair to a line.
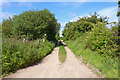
[75,19]
[110,12]
[61,33]
[78,17]
[62,28]
[5,15]
[63,24]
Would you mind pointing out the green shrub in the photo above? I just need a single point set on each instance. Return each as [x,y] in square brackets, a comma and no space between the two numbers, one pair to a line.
[101,40]
[73,30]
[16,54]
[107,65]
[31,25]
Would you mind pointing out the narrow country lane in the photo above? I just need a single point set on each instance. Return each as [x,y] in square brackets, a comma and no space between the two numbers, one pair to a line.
[73,68]
[51,67]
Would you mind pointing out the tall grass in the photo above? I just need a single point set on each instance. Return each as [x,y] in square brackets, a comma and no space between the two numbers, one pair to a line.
[108,66]
[16,54]
[62,52]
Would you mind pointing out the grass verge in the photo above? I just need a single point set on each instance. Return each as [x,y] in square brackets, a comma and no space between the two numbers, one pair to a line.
[108,66]
[62,52]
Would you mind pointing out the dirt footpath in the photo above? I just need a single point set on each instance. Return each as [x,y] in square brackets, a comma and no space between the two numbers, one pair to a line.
[51,67]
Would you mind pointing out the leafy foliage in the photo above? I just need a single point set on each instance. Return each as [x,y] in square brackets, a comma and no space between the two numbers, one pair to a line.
[108,66]
[31,25]
[99,45]
[27,38]
[16,54]
[74,29]
[7,27]
[102,40]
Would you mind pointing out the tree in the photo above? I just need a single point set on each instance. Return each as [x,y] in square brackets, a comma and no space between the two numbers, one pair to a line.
[32,25]
[7,27]
[73,30]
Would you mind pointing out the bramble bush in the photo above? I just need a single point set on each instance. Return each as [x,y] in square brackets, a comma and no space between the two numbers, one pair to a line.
[102,40]
[29,26]
[16,54]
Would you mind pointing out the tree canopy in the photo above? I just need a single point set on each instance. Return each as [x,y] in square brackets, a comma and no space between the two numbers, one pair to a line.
[32,25]
[74,29]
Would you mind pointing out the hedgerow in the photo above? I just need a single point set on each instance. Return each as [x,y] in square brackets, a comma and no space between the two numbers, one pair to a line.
[102,40]
[16,54]
[99,45]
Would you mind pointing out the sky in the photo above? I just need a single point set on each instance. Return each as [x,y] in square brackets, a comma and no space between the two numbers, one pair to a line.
[64,11]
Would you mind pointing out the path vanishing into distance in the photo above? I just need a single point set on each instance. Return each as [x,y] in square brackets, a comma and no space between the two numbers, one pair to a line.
[50,67]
